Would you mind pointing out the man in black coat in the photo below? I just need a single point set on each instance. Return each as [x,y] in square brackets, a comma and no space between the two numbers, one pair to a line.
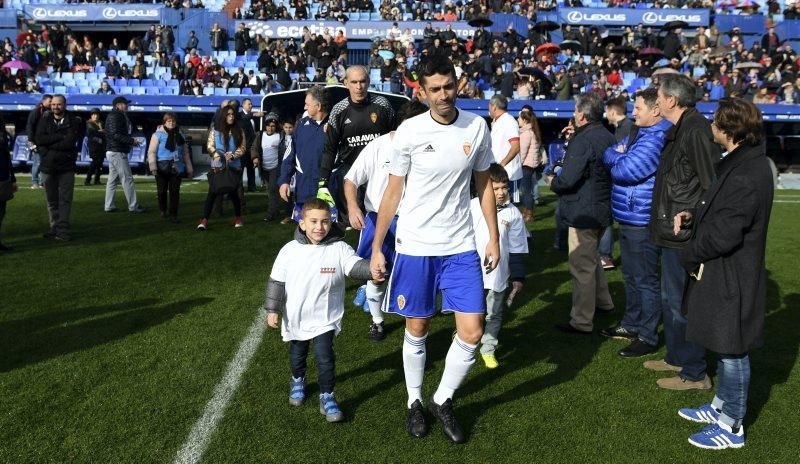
[119,143]
[685,172]
[30,128]
[672,44]
[726,296]
[57,137]
[583,186]
[248,125]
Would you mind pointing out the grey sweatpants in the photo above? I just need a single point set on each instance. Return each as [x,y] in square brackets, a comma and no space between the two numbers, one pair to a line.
[495,301]
[120,171]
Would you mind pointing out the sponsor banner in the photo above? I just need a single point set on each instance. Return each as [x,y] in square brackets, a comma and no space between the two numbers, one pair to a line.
[108,12]
[632,17]
[352,29]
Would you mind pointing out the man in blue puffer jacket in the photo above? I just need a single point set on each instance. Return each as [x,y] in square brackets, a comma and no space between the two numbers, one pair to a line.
[633,164]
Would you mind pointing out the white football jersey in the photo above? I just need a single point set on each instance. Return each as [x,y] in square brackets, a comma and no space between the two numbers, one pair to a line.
[504,131]
[437,161]
[513,239]
[314,276]
[372,168]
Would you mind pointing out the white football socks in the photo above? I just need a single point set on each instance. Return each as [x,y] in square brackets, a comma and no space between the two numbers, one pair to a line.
[414,355]
[460,358]
[375,295]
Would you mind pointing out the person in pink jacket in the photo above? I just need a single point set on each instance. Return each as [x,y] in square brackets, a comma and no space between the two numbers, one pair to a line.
[530,139]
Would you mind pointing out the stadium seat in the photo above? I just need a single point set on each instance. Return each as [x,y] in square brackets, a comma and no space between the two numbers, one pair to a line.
[72,90]
[78,77]
[247,91]
[125,90]
[139,90]
[134,83]
[148,83]
[234,91]
[47,89]
[152,90]
[208,91]
[83,158]
[60,89]
[85,90]
[138,152]
[100,70]
[220,92]
[173,82]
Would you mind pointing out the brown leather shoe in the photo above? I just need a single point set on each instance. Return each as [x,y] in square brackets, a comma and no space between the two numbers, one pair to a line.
[679,383]
[660,365]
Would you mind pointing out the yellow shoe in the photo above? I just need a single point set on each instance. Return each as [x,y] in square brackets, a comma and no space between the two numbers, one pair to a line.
[489,360]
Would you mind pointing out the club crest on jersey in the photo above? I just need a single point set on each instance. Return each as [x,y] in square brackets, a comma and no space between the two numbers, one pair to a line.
[373,117]
[327,270]
[401,302]
[467,148]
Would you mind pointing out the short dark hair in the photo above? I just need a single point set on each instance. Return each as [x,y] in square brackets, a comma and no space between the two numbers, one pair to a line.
[46,96]
[314,203]
[437,64]
[618,104]
[740,120]
[649,95]
[411,109]
[497,173]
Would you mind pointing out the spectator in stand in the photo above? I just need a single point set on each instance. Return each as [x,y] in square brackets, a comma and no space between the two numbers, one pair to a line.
[218,37]
[113,68]
[58,135]
[105,89]
[96,146]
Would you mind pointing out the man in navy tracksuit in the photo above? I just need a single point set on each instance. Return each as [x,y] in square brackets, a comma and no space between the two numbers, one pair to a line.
[305,157]
[633,163]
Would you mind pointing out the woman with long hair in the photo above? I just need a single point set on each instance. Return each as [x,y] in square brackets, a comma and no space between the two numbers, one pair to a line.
[226,146]
[169,158]
[530,142]
[96,145]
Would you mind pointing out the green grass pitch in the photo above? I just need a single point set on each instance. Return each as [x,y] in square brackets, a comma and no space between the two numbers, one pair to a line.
[112,345]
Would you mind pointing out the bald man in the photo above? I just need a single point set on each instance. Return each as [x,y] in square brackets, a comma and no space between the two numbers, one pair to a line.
[352,124]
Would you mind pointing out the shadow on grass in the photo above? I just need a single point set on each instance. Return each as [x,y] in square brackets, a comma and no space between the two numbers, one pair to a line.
[46,336]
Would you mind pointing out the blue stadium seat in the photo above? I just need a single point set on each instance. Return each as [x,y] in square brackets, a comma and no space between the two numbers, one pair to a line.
[247,91]
[220,92]
[79,77]
[112,53]
[138,152]
[125,90]
[72,90]
[47,89]
[133,82]
[148,83]
[100,70]
[83,158]
[152,90]
[139,90]
[209,91]
[60,89]
[85,90]
[235,91]
[173,82]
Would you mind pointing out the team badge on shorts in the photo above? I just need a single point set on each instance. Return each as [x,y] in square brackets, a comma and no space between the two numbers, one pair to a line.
[467,148]
[374,117]
[401,302]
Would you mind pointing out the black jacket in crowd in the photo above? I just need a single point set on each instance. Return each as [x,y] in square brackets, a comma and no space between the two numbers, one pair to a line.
[96,141]
[6,168]
[33,119]
[584,185]
[726,307]
[685,171]
[118,132]
[59,142]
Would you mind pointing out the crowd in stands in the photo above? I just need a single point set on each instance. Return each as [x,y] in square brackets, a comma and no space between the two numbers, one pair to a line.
[512,63]
[167,3]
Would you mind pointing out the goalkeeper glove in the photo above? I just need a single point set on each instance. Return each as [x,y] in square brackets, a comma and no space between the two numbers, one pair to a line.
[324,194]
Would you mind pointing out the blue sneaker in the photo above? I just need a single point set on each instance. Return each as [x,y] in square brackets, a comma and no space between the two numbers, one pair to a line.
[297,391]
[718,436]
[361,297]
[705,414]
[329,407]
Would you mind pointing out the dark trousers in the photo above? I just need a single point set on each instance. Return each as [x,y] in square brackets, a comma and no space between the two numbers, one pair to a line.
[3,205]
[169,188]
[270,177]
[642,289]
[336,187]
[95,169]
[58,189]
[323,355]
[680,352]
[209,206]
[247,162]
[562,230]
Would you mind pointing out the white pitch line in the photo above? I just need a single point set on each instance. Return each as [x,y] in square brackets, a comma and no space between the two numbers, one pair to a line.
[192,451]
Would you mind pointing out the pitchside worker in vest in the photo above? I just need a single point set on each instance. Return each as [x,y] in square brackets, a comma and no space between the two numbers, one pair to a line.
[353,123]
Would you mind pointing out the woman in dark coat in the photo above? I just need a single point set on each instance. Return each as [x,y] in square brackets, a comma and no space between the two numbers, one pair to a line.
[725,297]
[7,177]
[96,145]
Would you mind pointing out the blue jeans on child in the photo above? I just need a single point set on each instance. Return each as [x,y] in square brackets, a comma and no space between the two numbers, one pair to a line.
[323,355]
[733,382]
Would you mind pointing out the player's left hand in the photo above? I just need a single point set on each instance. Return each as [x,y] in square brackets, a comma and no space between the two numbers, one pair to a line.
[492,256]
[356,217]
[273,319]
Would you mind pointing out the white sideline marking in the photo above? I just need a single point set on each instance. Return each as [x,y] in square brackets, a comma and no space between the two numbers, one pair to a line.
[192,451]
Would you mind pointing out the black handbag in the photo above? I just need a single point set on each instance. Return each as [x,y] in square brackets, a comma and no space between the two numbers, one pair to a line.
[223,181]
[6,190]
[166,167]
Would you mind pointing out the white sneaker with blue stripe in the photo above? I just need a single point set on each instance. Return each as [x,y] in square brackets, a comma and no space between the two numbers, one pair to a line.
[705,414]
[329,408]
[717,437]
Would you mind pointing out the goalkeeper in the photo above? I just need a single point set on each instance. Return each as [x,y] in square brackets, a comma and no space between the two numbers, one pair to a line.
[353,123]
